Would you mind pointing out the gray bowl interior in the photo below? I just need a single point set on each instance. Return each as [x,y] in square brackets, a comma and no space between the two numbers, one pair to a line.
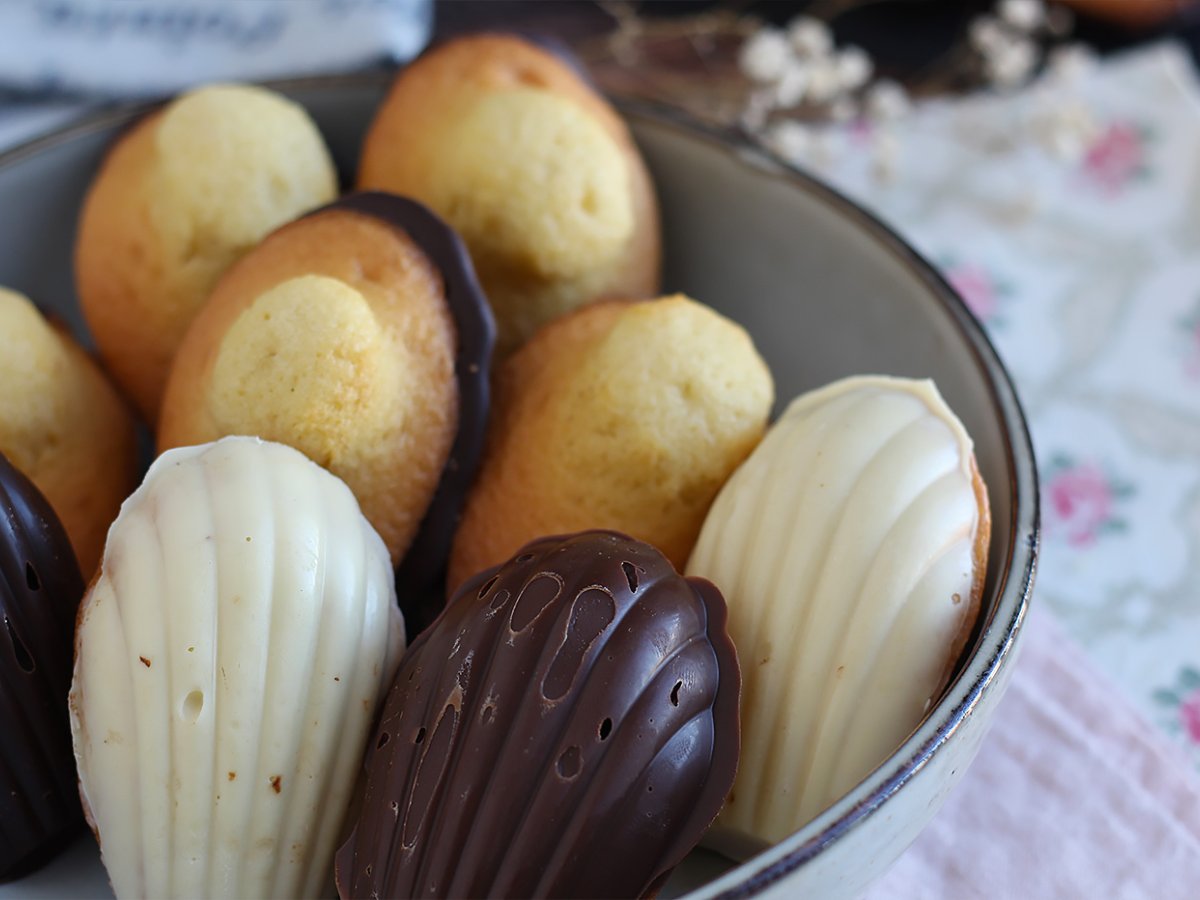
[823,289]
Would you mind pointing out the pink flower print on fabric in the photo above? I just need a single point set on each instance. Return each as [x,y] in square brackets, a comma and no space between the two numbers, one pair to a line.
[1189,716]
[982,288]
[1116,157]
[1181,702]
[860,131]
[1081,500]
[977,288]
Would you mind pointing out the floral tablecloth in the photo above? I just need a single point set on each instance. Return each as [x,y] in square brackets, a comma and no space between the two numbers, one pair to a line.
[1086,273]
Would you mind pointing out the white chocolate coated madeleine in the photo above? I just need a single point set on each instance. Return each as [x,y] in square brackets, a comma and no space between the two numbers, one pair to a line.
[229,661]
[851,547]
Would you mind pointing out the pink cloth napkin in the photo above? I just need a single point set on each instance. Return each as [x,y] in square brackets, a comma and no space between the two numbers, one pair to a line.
[1073,794]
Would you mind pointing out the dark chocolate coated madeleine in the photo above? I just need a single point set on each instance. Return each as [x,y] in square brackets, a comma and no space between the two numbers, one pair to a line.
[567,728]
[40,588]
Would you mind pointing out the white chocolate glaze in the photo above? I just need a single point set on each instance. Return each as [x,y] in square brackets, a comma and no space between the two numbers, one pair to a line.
[846,548]
[229,662]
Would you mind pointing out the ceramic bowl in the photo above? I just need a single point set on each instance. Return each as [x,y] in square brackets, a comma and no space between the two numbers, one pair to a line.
[826,291]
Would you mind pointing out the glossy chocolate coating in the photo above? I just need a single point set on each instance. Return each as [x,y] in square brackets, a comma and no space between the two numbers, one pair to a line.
[421,574]
[567,728]
[40,589]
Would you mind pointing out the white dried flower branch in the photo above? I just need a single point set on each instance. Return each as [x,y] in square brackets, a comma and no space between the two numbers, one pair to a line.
[765,56]
[800,73]
[781,83]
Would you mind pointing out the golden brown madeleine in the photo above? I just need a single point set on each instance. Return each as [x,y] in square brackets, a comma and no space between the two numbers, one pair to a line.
[332,336]
[535,170]
[180,196]
[622,415]
[64,426]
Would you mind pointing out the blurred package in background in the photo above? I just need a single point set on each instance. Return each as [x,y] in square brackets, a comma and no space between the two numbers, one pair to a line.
[100,48]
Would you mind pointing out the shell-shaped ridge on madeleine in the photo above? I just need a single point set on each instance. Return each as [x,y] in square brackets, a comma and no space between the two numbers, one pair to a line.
[574,706]
[231,655]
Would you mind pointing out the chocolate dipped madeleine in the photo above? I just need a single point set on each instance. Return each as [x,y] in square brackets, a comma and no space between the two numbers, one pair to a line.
[230,659]
[64,426]
[40,589]
[852,547]
[358,335]
[181,196]
[567,728]
[513,146]
[622,415]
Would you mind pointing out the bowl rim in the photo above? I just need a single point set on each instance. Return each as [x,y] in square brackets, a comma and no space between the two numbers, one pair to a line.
[995,643]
